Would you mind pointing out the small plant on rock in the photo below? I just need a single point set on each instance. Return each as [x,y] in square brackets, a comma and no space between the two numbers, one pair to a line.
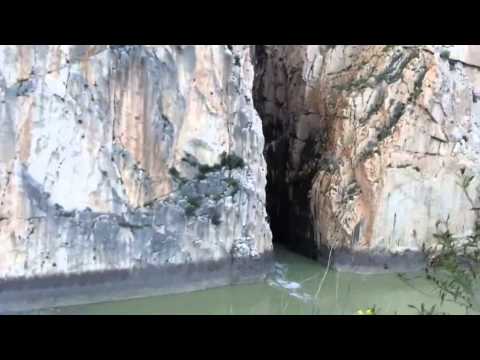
[201,176]
[233,183]
[174,172]
[231,161]
[453,267]
[423,310]
[193,203]
[445,54]
[465,182]
[176,175]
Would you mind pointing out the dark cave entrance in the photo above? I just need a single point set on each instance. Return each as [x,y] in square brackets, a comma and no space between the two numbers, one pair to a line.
[287,199]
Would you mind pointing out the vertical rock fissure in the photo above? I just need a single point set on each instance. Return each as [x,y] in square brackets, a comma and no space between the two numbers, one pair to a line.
[287,154]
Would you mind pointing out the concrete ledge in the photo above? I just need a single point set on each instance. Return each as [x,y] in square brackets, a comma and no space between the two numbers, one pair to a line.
[374,262]
[26,294]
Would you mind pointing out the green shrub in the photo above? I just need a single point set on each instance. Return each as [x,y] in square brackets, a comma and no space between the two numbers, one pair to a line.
[231,161]
[193,203]
[381,77]
[204,169]
[466,181]
[422,310]
[174,172]
[453,268]
[176,175]
[233,183]
[445,54]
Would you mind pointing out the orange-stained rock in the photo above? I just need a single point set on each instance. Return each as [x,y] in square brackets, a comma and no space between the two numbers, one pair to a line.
[392,132]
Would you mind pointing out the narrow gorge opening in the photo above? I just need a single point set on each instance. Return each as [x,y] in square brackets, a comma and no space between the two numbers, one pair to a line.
[287,190]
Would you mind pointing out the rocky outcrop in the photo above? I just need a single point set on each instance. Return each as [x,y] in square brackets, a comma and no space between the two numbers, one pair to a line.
[122,159]
[380,142]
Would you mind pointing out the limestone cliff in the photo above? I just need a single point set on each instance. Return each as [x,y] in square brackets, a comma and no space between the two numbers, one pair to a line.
[115,159]
[377,147]
[135,170]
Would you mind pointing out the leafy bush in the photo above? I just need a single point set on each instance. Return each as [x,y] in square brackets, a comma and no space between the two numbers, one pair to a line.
[465,183]
[174,172]
[422,310]
[231,161]
[445,54]
[204,169]
[233,183]
[453,267]
[193,203]
[176,175]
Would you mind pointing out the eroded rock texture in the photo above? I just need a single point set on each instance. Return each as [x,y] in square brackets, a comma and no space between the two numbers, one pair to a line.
[126,157]
[380,142]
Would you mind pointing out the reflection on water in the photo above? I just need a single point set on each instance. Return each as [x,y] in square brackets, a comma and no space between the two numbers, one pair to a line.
[293,288]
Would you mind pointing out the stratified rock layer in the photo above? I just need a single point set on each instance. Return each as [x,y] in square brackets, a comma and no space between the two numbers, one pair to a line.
[381,142]
[116,159]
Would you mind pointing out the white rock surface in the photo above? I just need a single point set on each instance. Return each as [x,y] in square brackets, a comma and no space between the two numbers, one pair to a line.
[88,138]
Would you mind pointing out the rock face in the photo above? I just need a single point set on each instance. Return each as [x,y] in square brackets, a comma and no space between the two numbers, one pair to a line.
[123,159]
[378,145]
[134,170]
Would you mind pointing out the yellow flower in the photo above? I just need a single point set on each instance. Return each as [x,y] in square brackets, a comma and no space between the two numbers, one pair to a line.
[369,311]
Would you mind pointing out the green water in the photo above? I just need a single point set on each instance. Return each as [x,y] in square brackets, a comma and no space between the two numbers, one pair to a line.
[294,288]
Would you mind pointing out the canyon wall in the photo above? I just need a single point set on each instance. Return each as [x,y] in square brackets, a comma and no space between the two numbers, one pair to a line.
[121,161]
[135,170]
[374,148]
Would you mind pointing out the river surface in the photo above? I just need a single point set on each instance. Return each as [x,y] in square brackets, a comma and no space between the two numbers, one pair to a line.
[298,286]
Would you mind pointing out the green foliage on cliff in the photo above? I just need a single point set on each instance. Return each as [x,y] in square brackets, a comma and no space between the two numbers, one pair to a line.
[453,266]
[176,175]
[445,54]
[422,310]
[174,172]
[230,161]
[233,183]
[193,203]
[465,182]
